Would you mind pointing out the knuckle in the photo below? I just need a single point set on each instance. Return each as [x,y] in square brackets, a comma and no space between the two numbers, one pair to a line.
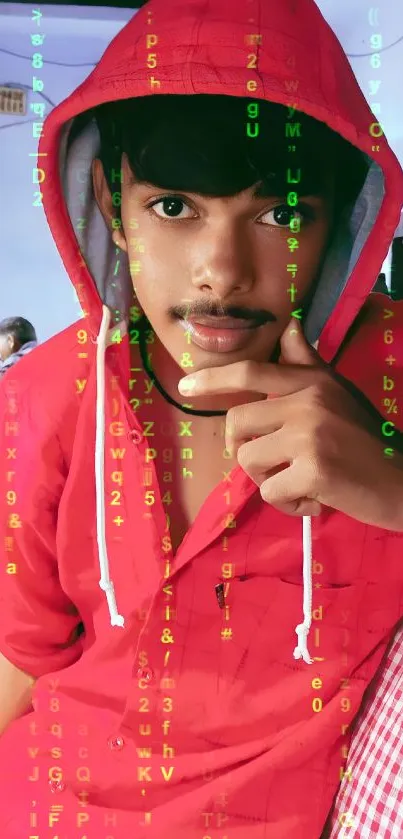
[321,391]
[316,393]
[243,455]
[238,417]
[306,436]
[265,492]
[314,475]
[206,376]
[231,422]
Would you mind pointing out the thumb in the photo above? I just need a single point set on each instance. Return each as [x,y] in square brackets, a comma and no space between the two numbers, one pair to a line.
[295,349]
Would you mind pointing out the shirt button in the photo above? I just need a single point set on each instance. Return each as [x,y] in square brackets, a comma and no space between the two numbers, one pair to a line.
[116,743]
[135,436]
[57,786]
[145,673]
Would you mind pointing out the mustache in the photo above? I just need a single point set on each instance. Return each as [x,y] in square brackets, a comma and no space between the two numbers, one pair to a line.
[215,309]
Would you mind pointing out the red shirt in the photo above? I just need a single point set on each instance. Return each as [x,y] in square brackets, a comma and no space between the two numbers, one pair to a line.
[190,720]
[222,720]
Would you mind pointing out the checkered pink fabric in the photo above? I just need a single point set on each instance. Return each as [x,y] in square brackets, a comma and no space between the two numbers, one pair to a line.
[370,804]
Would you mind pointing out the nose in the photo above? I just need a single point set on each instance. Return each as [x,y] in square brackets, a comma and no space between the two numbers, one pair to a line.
[223,262]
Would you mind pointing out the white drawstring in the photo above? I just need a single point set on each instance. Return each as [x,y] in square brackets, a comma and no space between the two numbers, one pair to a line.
[302,630]
[105,582]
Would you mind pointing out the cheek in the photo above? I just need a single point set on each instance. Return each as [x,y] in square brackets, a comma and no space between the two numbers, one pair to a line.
[164,261]
[310,254]
[154,274]
[274,258]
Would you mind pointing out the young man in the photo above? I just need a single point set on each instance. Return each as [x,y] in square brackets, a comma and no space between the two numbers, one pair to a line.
[161,544]
[17,339]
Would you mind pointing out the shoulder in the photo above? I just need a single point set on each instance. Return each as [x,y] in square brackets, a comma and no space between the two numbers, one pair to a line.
[371,355]
[46,384]
[50,368]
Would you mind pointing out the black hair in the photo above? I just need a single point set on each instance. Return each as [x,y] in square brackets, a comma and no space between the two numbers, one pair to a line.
[200,143]
[20,328]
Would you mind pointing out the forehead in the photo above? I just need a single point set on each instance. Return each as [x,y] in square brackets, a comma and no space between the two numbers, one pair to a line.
[260,191]
[215,167]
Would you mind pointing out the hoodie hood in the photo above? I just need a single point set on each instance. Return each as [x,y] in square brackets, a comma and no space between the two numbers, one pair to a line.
[15,356]
[205,46]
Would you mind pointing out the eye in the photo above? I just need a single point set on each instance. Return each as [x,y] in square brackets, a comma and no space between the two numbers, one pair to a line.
[170,207]
[282,215]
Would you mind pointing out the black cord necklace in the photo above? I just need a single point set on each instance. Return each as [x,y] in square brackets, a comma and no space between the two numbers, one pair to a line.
[143,325]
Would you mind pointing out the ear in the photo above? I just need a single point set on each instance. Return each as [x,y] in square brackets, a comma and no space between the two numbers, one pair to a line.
[103,198]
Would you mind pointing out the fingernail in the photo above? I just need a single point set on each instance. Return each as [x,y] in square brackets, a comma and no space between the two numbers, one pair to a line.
[186,385]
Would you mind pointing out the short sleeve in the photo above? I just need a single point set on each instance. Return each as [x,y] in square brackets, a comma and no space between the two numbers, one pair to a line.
[39,625]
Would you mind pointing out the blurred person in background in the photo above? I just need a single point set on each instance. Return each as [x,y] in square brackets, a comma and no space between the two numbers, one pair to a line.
[17,338]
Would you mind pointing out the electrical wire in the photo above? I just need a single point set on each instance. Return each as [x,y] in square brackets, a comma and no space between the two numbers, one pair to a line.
[28,87]
[93,63]
[46,61]
[15,85]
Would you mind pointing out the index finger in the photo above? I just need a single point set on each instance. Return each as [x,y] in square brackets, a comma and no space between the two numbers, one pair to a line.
[252,376]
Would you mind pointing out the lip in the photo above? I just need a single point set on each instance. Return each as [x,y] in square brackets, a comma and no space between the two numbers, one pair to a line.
[223,323]
[212,335]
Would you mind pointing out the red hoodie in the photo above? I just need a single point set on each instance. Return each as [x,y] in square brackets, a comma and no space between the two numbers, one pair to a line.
[155,716]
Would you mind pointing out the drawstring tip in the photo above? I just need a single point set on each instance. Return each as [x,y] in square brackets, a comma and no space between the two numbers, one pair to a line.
[301,650]
[298,653]
[117,620]
[108,588]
